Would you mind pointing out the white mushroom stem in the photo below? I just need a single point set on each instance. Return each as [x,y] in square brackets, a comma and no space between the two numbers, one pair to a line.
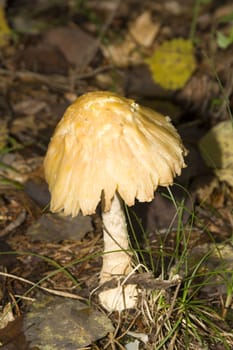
[116,259]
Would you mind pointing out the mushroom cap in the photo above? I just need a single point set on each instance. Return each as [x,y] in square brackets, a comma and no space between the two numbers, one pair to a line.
[106,144]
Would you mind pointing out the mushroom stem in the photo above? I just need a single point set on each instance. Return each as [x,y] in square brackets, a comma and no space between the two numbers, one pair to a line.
[116,260]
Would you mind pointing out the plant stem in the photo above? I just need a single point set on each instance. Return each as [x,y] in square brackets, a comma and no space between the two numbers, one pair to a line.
[194,20]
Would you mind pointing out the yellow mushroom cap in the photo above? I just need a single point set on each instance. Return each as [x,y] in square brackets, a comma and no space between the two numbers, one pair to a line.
[106,144]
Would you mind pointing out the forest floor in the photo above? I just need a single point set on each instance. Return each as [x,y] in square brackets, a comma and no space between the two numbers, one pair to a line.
[51,53]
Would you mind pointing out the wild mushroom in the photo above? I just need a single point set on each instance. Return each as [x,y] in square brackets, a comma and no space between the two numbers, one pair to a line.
[108,148]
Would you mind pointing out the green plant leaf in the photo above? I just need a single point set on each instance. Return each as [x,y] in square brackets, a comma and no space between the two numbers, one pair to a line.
[224,41]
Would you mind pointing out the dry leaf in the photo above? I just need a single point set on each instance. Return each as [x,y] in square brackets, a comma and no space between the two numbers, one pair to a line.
[75,44]
[123,53]
[143,30]
[6,316]
[126,52]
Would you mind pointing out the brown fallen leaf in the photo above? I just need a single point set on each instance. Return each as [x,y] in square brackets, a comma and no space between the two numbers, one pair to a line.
[12,337]
[139,37]
[143,29]
[6,315]
[73,43]
[43,58]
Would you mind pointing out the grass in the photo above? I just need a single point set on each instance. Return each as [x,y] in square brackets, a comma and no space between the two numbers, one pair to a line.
[182,317]
[7,145]
[195,14]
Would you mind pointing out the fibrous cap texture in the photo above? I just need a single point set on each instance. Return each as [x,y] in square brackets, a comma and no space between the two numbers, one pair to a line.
[106,144]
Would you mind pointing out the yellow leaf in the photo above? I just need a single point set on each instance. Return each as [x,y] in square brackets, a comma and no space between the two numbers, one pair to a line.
[173,63]
[4,28]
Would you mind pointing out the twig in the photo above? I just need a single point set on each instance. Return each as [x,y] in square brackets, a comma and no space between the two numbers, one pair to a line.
[55,81]
[103,31]
[51,291]
[13,225]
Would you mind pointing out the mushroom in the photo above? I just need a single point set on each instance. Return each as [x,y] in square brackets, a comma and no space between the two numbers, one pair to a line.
[109,149]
